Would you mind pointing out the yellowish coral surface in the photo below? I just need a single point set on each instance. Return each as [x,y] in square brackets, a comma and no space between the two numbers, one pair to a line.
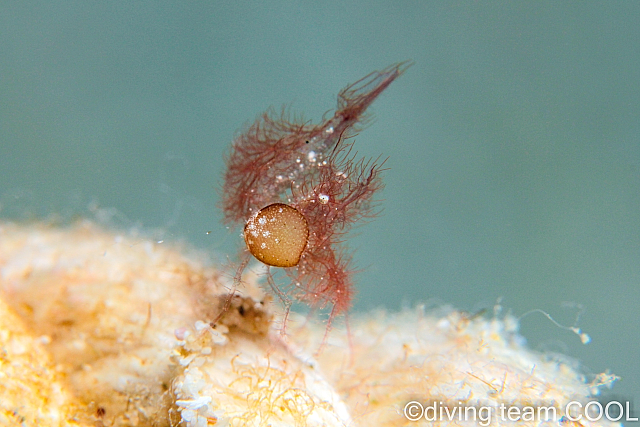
[450,360]
[114,329]
[32,391]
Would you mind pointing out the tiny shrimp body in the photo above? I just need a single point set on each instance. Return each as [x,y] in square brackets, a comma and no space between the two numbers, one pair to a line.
[273,154]
[298,189]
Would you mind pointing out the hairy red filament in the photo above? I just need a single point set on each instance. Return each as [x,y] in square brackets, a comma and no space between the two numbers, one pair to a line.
[311,168]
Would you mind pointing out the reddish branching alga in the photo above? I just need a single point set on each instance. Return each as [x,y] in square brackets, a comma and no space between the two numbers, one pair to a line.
[312,169]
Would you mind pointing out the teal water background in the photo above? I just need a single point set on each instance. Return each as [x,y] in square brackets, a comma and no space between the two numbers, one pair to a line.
[514,140]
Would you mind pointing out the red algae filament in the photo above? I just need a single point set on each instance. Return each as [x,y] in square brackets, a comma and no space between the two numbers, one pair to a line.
[312,169]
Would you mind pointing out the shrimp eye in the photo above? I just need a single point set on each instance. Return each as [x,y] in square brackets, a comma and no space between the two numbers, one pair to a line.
[277,235]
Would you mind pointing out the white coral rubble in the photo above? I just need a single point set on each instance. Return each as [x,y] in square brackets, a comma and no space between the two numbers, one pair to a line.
[103,328]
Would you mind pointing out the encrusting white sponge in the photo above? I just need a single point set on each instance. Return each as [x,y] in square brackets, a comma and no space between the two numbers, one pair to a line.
[113,329]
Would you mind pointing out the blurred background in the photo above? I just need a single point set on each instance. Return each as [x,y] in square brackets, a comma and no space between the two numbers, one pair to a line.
[514,141]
